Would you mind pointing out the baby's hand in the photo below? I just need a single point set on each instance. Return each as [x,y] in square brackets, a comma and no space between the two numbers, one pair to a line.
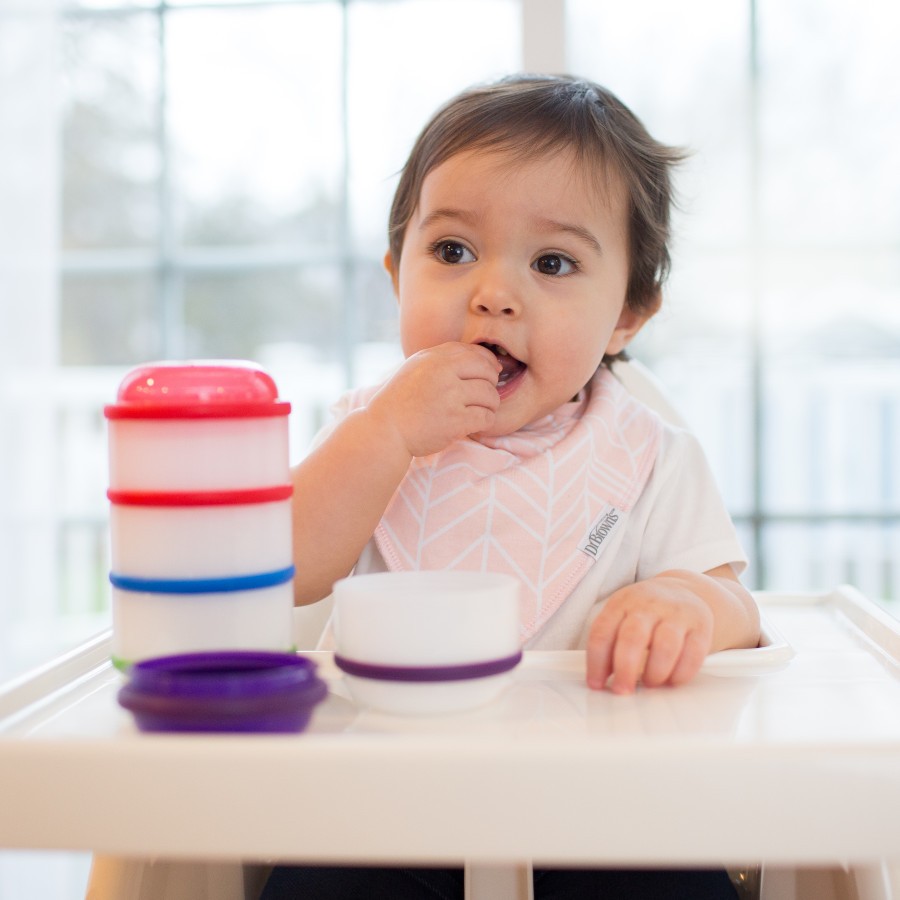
[440,395]
[657,631]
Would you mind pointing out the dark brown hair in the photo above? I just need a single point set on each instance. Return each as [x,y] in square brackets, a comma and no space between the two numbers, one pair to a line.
[532,115]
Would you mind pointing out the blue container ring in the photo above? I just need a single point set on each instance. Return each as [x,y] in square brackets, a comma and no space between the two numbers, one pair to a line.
[201,585]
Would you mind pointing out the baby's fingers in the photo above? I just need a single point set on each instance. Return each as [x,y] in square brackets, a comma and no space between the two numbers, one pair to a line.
[637,648]
[630,652]
[617,647]
[665,653]
[674,655]
[600,647]
[696,646]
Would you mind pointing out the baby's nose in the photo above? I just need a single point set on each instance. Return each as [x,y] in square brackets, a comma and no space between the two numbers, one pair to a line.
[496,296]
[498,308]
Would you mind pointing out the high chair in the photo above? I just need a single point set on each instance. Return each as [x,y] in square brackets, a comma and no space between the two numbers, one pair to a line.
[120,879]
[133,879]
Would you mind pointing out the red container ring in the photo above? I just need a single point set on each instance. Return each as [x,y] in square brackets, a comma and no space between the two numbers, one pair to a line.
[238,497]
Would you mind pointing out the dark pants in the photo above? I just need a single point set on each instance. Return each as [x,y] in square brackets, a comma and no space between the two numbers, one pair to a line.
[340,883]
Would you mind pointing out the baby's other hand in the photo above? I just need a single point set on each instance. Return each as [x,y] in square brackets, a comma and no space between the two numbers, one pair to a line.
[656,631]
[440,395]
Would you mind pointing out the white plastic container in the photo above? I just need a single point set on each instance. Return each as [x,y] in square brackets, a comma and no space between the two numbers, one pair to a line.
[426,643]
[200,519]
[153,454]
[200,541]
[197,426]
[148,624]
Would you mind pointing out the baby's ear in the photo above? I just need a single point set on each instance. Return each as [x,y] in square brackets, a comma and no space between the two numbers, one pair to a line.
[631,321]
[391,270]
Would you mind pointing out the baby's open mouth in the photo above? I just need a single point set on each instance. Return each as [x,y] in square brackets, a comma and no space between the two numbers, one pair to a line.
[511,366]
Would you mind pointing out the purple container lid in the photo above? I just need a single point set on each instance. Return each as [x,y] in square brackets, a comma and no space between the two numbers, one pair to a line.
[235,690]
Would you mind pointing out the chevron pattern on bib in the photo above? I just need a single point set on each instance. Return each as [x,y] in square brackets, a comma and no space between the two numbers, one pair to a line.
[522,504]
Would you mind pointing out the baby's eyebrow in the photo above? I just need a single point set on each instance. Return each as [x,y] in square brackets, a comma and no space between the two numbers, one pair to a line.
[448,213]
[575,230]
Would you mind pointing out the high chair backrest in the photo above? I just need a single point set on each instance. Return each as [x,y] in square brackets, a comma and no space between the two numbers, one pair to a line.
[643,384]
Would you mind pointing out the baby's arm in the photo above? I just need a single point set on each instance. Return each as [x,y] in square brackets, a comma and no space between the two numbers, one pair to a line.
[660,630]
[343,487]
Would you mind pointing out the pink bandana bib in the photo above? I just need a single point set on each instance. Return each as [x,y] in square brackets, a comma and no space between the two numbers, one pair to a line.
[537,504]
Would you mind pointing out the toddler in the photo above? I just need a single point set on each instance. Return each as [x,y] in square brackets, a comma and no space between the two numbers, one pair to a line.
[528,246]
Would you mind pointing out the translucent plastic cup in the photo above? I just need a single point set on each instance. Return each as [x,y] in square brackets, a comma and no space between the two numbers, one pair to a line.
[425,643]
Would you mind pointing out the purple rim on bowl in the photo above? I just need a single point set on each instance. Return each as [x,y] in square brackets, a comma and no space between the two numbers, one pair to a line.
[459,672]
[234,690]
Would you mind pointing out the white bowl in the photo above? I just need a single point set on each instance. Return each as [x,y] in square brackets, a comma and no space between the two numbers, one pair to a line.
[423,643]
[200,541]
[147,624]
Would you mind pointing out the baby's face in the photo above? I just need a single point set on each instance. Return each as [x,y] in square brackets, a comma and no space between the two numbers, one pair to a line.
[526,258]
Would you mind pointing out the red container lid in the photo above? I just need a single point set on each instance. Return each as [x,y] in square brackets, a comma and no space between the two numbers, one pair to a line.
[197,390]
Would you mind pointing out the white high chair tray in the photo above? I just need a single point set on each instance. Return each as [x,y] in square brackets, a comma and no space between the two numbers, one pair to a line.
[792,757]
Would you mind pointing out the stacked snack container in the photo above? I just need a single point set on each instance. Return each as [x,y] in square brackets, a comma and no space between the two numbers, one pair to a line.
[200,517]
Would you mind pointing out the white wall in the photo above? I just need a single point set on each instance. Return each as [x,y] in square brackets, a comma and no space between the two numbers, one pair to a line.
[29,194]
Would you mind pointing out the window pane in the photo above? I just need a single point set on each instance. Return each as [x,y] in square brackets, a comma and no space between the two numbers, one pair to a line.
[818,556]
[390,46]
[683,70]
[107,4]
[830,204]
[373,316]
[711,394]
[110,155]
[239,314]
[830,129]
[53,532]
[833,436]
[255,118]
[109,319]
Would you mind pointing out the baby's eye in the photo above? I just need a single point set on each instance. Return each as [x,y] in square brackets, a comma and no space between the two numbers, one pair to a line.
[452,252]
[554,264]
